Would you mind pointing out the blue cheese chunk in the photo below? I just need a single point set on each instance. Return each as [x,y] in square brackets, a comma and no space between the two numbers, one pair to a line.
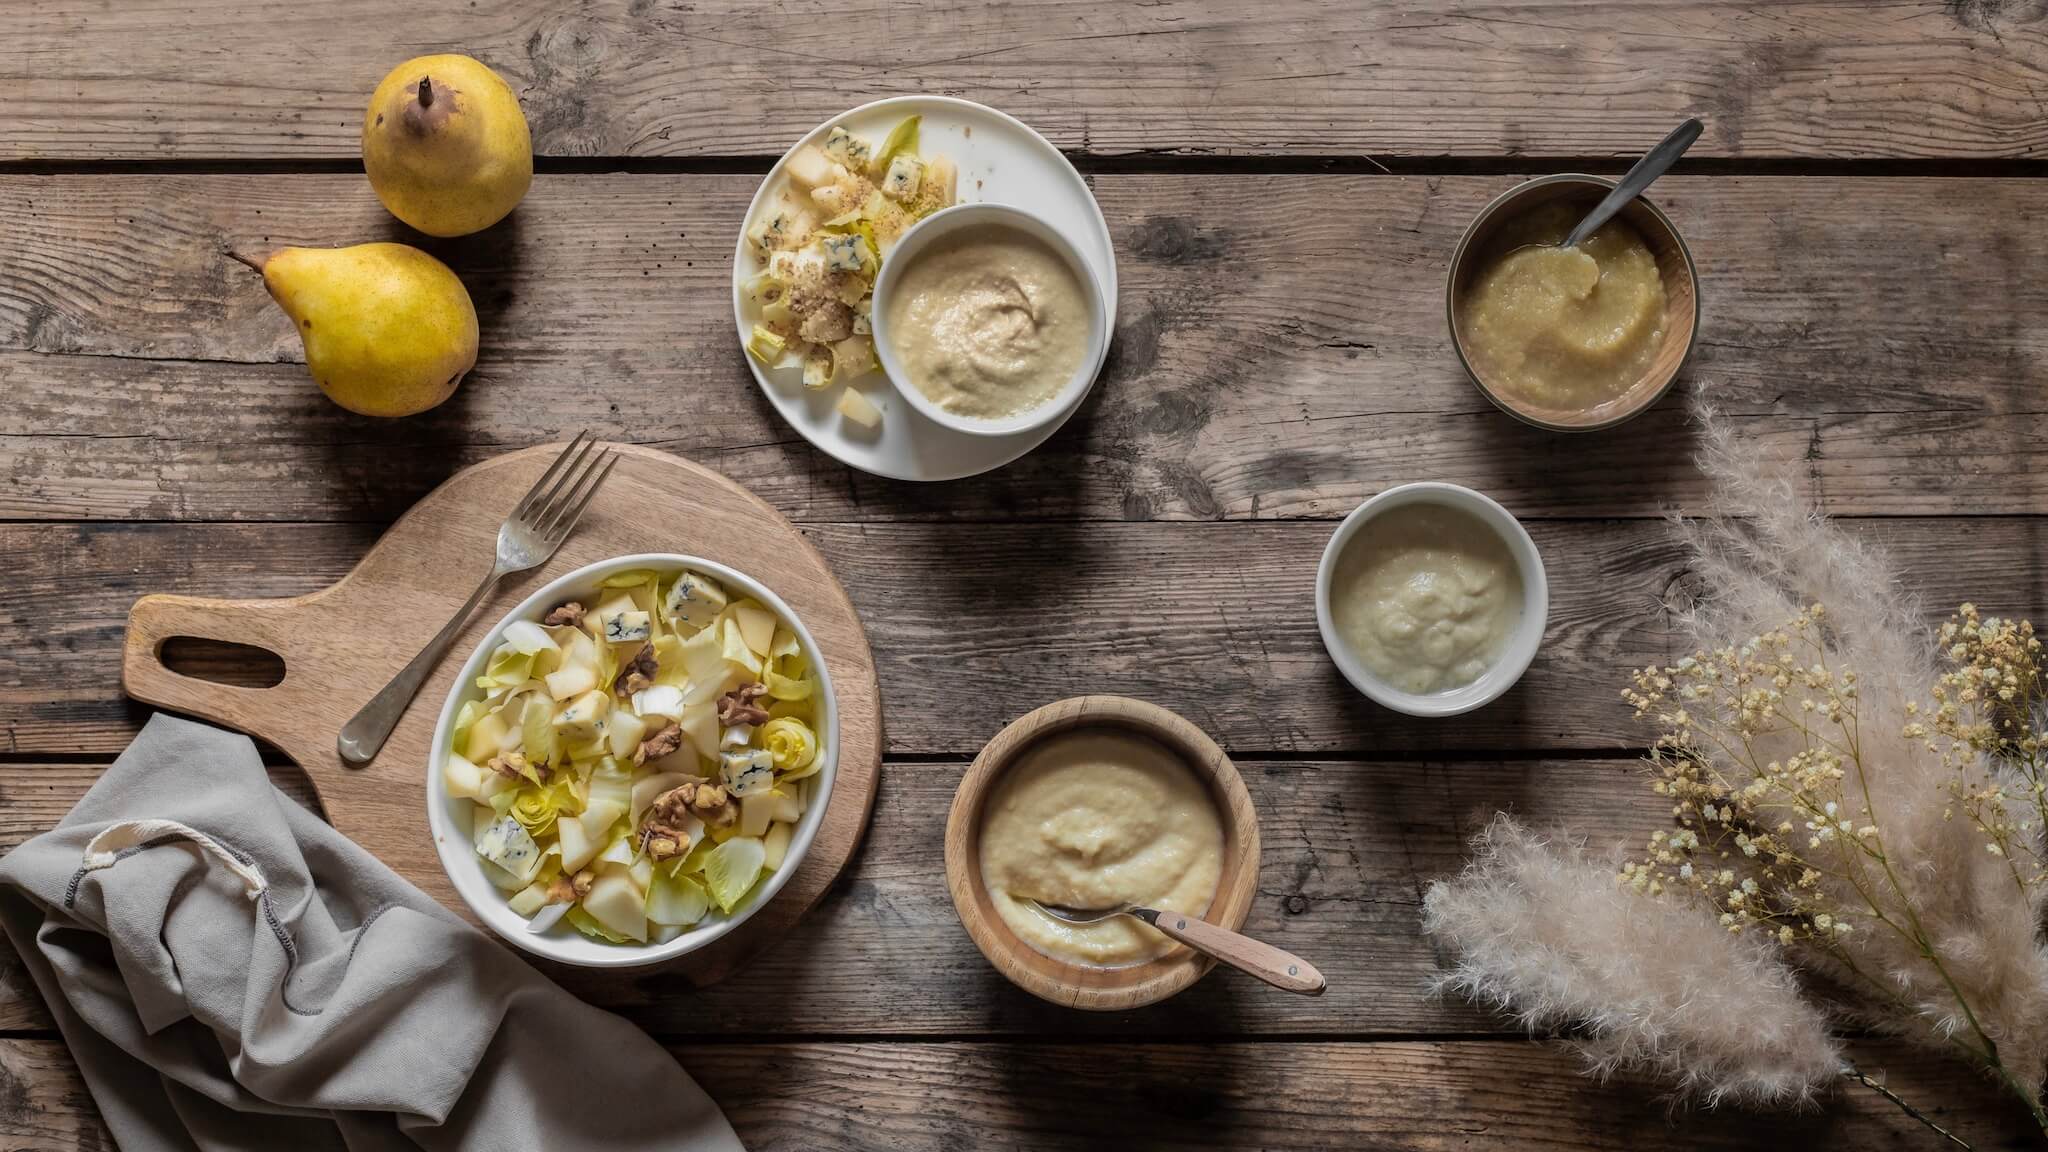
[904,177]
[847,253]
[694,600]
[507,844]
[747,770]
[627,626]
[848,149]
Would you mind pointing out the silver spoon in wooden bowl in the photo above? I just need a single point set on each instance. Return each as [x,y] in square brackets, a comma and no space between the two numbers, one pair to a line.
[1282,970]
[1654,163]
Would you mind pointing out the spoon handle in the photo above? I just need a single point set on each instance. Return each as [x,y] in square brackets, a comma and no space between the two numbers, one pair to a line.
[1653,164]
[1280,969]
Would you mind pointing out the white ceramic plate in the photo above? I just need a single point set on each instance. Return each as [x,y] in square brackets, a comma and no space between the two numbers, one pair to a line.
[1000,160]
[448,817]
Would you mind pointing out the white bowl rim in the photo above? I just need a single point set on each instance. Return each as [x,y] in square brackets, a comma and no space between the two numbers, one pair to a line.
[954,218]
[1522,647]
[487,902]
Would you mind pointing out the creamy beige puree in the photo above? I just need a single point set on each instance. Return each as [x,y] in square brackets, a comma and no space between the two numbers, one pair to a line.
[1564,328]
[1426,597]
[989,322]
[1092,820]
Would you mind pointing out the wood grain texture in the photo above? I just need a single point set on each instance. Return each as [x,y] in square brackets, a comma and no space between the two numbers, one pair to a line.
[1282,352]
[973,625]
[269,78]
[1087,987]
[1412,1097]
[1346,849]
[342,644]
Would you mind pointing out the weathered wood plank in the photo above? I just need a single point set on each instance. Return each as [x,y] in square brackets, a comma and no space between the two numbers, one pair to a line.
[1281,353]
[1424,1097]
[268,78]
[973,625]
[1348,849]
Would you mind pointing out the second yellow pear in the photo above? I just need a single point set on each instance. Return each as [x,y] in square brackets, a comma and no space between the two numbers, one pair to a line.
[446,145]
[388,329]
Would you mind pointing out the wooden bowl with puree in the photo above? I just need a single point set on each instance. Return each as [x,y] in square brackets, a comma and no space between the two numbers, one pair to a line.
[1501,228]
[1083,985]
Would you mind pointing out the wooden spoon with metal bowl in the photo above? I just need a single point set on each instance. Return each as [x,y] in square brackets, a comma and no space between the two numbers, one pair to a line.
[1282,970]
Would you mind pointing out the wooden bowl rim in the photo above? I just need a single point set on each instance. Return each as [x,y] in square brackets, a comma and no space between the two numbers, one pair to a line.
[1057,981]
[1464,252]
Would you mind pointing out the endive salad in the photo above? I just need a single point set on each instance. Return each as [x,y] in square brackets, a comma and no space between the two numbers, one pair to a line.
[639,758]
[820,244]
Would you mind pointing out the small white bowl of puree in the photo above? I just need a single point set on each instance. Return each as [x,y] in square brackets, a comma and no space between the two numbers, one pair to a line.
[1431,599]
[988,320]
[1090,803]
[1571,339]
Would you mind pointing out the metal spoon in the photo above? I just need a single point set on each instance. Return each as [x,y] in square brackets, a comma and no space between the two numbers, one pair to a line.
[1653,164]
[1282,970]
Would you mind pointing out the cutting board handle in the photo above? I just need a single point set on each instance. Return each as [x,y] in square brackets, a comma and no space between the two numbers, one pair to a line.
[265,624]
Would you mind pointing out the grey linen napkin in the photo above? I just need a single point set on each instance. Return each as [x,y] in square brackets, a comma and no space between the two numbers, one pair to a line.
[233,974]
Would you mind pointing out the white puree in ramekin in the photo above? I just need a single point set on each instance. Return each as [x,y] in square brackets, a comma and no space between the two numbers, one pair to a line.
[1426,596]
[1093,819]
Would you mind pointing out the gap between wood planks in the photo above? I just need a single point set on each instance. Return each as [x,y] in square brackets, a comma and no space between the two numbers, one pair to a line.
[1163,162]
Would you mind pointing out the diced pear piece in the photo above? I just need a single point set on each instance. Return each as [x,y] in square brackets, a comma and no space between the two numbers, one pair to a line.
[624,733]
[788,808]
[578,849]
[809,167]
[775,845]
[757,626]
[463,777]
[700,724]
[579,649]
[614,902]
[529,899]
[570,680]
[756,813]
[858,408]
[487,738]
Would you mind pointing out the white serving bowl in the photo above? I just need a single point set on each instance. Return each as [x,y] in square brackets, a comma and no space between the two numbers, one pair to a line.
[449,817]
[1521,647]
[962,218]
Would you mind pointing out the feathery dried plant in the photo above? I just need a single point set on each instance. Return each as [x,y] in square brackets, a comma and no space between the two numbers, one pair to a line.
[1862,798]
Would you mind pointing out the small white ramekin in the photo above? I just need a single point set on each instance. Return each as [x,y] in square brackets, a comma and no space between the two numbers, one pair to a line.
[1521,647]
[448,818]
[960,218]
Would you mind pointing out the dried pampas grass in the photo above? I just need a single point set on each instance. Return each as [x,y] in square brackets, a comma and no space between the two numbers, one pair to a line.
[1544,934]
[1856,798]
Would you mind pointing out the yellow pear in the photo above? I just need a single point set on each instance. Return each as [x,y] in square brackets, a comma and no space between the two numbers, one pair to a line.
[446,146]
[388,329]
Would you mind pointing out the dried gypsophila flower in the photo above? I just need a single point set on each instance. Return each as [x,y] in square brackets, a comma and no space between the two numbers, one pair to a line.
[1813,788]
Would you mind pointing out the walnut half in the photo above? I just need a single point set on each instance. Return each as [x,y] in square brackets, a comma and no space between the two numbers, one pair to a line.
[660,744]
[738,707]
[570,614]
[637,673]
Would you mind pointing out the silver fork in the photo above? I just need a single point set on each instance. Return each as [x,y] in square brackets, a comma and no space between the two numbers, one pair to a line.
[526,540]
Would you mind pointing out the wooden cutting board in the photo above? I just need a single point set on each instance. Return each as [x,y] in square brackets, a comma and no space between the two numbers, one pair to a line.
[340,645]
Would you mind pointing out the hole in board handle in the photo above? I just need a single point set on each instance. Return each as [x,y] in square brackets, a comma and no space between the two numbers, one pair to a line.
[222,662]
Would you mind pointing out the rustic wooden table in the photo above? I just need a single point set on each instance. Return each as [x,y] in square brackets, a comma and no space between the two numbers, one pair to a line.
[1284,182]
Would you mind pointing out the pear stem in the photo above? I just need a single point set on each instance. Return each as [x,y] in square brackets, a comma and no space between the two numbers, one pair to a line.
[426,92]
[241,259]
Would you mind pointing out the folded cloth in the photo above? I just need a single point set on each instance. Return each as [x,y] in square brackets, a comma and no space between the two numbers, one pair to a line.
[233,974]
